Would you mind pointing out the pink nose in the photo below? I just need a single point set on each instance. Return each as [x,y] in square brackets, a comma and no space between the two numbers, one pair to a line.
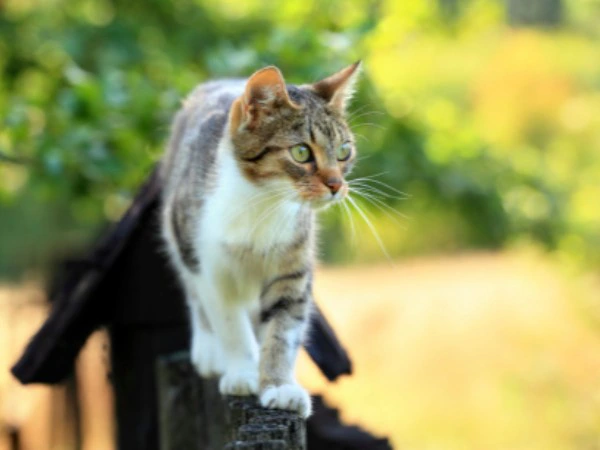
[334,184]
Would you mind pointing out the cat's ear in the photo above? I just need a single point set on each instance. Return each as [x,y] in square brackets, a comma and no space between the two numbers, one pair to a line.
[265,92]
[338,88]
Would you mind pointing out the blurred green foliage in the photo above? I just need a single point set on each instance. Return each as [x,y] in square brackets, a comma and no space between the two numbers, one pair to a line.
[493,131]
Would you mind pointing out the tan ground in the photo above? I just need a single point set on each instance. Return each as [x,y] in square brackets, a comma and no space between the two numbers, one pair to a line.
[43,414]
[474,352]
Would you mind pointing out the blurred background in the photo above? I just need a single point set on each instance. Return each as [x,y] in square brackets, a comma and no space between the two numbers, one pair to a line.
[476,326]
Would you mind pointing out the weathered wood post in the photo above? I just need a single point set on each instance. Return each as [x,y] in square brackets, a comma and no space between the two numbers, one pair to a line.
[194,416]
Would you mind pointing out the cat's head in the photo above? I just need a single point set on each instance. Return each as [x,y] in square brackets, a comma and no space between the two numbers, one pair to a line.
[296,136]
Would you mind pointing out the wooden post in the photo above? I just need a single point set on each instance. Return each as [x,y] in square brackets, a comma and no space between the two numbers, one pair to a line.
[194,416]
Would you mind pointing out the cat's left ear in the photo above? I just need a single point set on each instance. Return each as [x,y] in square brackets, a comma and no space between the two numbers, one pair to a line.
[338,88]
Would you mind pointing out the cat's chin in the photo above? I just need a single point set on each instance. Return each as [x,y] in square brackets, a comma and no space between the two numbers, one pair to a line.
[324,203]
[321,205]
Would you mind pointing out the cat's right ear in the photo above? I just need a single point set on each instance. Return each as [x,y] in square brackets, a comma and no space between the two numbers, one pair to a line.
[265,92]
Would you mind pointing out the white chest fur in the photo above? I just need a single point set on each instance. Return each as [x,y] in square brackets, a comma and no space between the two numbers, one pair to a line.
[243,218]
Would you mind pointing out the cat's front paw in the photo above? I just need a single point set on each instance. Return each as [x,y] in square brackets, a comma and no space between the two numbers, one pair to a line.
[206,356]
[287,396]
[239,382]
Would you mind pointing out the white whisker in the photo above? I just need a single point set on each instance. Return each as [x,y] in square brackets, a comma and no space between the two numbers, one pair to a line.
[371,227]
[383,207]
[358,110]
[363,114]
[362,157]
[374,190]
[351,220]
[362,136]
[371,176]
[380,183]
[370,124]
[352,120]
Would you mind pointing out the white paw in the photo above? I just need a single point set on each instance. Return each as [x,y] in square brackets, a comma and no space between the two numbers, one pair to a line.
[287,396]
[239,382]
[206,356]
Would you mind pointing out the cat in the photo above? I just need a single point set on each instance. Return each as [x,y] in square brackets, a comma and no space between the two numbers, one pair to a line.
[248,163]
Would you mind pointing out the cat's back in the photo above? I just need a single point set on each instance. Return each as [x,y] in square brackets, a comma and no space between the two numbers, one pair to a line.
[213,96]
[198,127]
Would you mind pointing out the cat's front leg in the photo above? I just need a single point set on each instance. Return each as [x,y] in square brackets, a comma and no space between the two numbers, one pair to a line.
[205,350]
[284,320]
[234,332]
[241,353]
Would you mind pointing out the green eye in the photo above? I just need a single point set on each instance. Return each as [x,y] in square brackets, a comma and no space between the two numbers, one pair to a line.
[343,151]
[301,153]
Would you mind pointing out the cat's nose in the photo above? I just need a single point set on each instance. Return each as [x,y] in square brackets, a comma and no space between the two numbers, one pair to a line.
[334,184]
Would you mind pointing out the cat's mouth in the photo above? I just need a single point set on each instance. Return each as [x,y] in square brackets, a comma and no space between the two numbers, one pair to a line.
[328,199]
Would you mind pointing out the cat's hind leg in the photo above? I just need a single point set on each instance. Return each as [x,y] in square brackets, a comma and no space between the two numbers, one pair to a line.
[177,228]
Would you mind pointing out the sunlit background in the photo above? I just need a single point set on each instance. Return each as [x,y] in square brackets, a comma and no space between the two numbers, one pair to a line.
[470,305]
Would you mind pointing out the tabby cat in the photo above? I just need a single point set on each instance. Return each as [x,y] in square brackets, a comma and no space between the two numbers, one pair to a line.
[248,164]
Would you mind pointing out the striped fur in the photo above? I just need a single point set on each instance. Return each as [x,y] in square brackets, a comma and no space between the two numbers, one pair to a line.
[238,220]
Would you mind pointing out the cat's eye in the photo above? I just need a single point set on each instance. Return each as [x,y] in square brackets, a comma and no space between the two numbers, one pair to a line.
[343,151]
[301,153]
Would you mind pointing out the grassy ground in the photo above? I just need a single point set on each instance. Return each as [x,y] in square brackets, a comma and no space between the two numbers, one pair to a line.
[473,352]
